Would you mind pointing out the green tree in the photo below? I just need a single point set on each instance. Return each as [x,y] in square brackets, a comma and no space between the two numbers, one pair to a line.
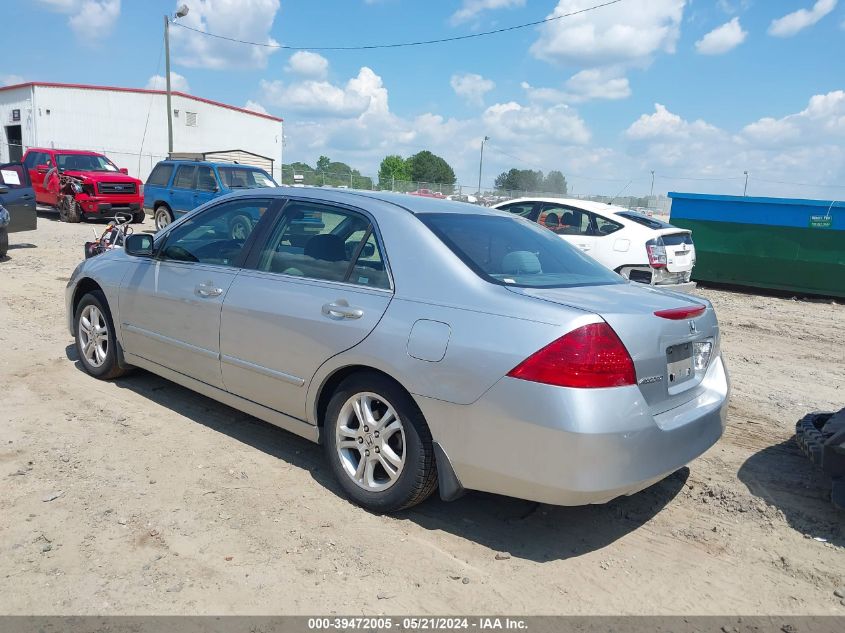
[323,163]
[393,168]
[426,167]
[555,182]
[520,180]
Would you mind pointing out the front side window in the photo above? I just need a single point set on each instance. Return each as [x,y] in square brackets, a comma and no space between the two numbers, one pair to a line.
[515,252]
[522,209]
[325,243]
[160,176]
[184,177]
[245,178]
[215,236]
[84,162]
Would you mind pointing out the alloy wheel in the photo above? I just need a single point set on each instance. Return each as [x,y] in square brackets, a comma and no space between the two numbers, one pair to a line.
[370,441]
[94,335]
[162,218]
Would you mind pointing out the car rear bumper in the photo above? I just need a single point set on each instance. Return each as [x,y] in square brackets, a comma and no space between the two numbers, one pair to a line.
[574,446]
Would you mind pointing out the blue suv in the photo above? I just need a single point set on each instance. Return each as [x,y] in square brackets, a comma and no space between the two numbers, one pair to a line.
[175,187]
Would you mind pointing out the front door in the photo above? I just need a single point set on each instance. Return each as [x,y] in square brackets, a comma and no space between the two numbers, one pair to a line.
[17,196]
[318,287]
[37,166]
[170,304]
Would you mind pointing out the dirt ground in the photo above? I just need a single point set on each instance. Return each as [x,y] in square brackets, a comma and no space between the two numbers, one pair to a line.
[167,502]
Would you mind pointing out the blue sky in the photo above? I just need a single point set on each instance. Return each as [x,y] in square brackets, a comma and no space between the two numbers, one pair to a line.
[695,89]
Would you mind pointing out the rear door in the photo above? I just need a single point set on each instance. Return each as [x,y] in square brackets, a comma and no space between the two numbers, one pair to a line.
[170,304]
[17,196]
[207,187]
[182,189]
[571,224]
[301,301]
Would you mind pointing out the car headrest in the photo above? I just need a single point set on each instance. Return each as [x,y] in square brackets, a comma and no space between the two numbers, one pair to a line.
[521,263]
[568,219]
[328,247]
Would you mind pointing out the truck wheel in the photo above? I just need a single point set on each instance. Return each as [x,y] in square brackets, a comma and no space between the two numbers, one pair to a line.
[69,210]
[139,217]
[162,216]
[4,242]
[240,228]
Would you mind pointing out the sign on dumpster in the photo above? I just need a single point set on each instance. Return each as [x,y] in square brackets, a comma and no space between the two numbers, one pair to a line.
[821,221]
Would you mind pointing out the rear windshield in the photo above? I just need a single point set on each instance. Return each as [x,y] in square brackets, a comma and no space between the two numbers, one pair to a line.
[645,220]
[511,251]
[244,178]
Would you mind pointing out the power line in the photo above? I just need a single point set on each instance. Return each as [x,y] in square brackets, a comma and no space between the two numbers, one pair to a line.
[665,177]
[796,184]
[398,44]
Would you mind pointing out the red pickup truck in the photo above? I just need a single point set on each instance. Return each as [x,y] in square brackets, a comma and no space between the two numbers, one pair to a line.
[83,185]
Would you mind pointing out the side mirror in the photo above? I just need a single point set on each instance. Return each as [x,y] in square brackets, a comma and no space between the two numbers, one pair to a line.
[42,168]
[124,171]
[139,245]
[369,250]
[3,189]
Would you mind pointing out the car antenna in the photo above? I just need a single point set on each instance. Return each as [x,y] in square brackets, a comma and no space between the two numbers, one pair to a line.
[620,192]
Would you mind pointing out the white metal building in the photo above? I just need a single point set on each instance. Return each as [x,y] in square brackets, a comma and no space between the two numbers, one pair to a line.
[129,125]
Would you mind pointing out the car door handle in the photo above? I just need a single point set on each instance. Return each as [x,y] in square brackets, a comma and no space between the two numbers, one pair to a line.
[27,196]
[207,290]
[341,309]
[584,247]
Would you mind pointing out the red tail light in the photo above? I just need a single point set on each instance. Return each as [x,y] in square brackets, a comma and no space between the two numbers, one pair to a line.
[678,314]
[591,356]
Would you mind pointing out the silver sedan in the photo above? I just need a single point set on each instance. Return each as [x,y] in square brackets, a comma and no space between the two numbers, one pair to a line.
[425,343]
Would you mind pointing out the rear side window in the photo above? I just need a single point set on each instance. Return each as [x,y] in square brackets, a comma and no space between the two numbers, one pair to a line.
[325,243]
[184,177]
[515,252]
[160,176]
[205,179]
[645,220]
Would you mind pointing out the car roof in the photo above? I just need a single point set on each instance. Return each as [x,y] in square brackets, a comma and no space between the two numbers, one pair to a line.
[189,161]
[354,197]
[586,205]
[77,152]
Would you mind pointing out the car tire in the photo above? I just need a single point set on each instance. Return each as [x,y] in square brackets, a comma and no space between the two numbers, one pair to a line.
[139,217]
[69,210]
[4,242]
[406,448]
[96,343]
[162,216]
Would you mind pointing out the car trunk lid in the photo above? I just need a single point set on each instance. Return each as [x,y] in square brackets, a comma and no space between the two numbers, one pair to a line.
[680,250]
[660,347]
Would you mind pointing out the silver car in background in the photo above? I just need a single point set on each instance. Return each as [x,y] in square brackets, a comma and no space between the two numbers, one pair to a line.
[425,343]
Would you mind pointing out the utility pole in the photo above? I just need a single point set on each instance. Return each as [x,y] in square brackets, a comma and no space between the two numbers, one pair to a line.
[651,195]
[745,190]
[481,162]
[181,12]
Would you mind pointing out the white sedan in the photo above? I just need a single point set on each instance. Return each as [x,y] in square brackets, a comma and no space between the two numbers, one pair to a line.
[637,246]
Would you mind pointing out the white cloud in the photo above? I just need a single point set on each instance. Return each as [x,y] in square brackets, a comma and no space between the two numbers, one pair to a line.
[254,106]
[308,64]
[587,85]
[806,147]
[470,9]
[89,19]
[364,93]
[11,80]
[177,82]
[513,122]
[792,23]
[248,20]
[471,87]
[629,33]
[722,39]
